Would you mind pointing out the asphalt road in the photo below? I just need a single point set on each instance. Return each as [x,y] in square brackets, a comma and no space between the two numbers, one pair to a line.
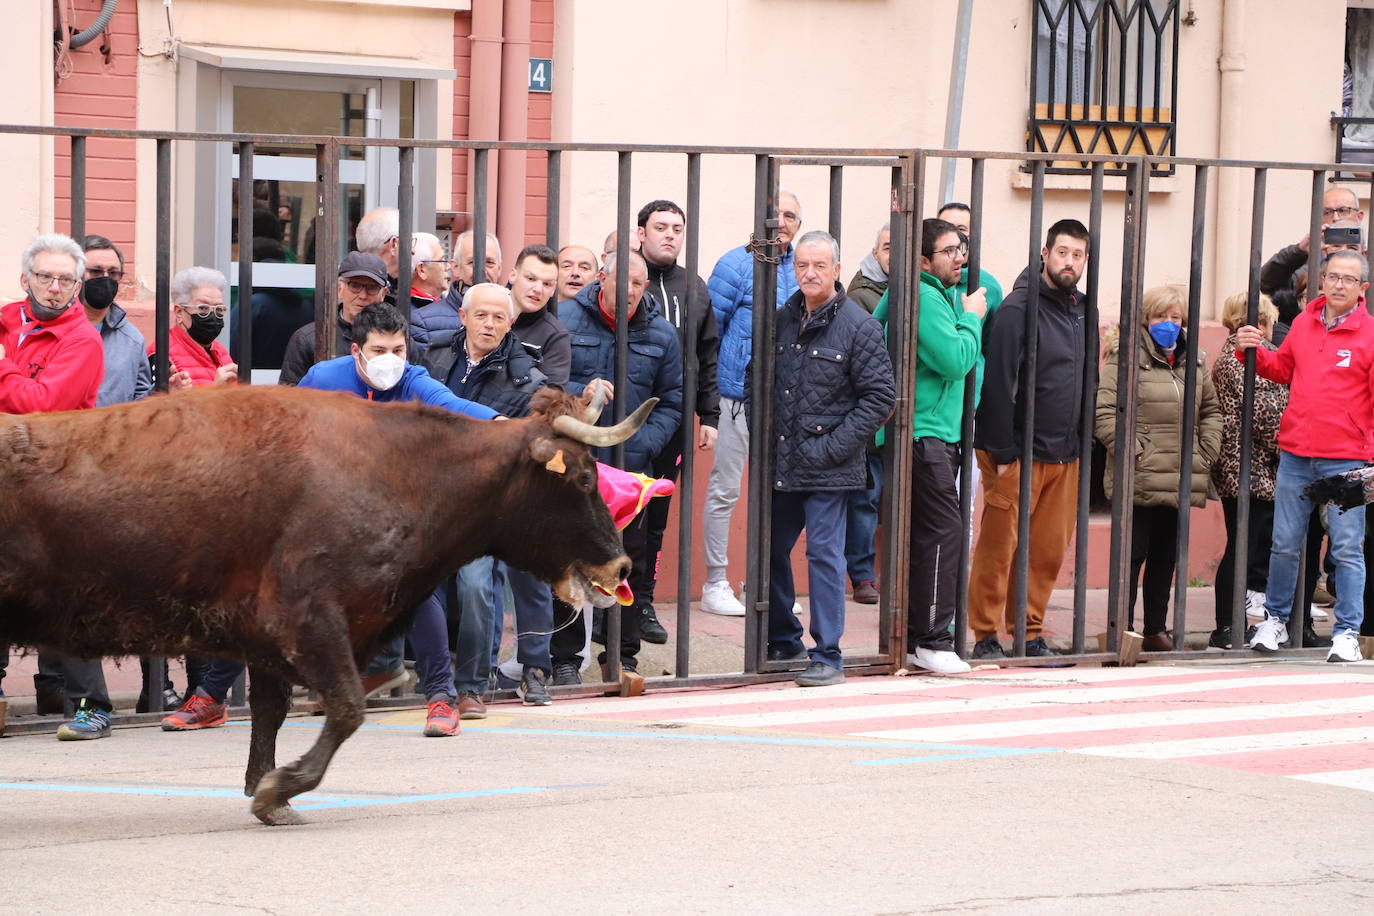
[577,813]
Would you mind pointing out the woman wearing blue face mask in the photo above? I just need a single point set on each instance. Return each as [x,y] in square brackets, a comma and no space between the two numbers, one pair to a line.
[1161,350]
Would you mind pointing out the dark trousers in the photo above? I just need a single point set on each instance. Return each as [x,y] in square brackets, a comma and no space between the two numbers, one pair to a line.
[1154,539]
[569,633]
[1259,534]
[566,644]
[821,515]
[861,525]
[1367,625]
[667,465]
[533,601]
[936,532]
[80,678]
[218,681]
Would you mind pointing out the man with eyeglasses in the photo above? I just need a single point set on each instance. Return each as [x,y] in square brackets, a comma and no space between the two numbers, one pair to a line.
[362,282]
[1327,360]
[430,273]
[732,296]
[51,358]
[436,323]
[951,337]
[1340,208]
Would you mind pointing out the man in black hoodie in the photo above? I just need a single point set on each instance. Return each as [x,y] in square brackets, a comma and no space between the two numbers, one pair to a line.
[1058,383]
[687,306]
[533,283]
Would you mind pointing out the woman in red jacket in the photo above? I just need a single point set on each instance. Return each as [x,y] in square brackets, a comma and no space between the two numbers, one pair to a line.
[198,310]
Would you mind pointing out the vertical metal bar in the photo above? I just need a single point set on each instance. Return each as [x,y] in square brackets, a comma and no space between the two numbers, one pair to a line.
[761,416]
[1029,377]
[1091,350]
[907,185]
[553,198]
[1247,418]
[237,692]
[687,480]
[836,200]
[1298,619]
[966,456]
[405,225]
[622,365]
[78,207]
[163,295]
[1190,383]
[1121,588]
[479,216]
[326,246]
[245,305]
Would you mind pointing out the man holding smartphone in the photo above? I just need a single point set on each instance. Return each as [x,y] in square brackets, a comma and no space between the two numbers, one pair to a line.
[1341,212]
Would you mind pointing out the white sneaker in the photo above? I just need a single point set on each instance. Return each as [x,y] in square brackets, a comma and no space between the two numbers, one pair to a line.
[937,661]
[1345,647]
[718,598]
[1268,635]
[1254,604]
[1319,614]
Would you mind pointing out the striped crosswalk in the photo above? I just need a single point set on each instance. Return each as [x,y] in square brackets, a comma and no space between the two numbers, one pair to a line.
[1311,723]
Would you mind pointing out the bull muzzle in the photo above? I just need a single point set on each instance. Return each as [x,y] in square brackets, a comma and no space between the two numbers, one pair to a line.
[601,436]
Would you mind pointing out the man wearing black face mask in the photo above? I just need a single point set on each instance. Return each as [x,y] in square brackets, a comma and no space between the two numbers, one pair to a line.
[51,359]
[127,376]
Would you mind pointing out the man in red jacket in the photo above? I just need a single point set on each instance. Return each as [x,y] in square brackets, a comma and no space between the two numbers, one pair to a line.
[51,358]
[1327,360]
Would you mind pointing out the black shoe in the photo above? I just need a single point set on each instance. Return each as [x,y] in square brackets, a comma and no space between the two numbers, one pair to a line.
[786,654]
[532,689]
[51,703]
[819,674]
[988,648]
[170,701]
[566,674]
[650,630]
[1220,639]
[1038,648]
[1312,639]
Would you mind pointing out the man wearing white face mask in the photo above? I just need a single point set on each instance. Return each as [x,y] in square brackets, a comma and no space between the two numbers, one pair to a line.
[376,369]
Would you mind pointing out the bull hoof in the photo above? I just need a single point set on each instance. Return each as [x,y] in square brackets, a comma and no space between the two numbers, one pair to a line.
[268,805]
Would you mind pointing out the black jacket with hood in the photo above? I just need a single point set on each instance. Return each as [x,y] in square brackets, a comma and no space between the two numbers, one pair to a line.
[691,314]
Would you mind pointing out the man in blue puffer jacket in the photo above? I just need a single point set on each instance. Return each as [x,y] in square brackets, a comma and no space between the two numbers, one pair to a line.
[732,296]
[655,371]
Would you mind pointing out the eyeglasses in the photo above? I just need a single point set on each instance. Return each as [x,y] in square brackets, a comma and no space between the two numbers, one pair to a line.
[201,310]
[63,283]
[358,286]
[953,251]
[1339,212]
[1341,280]
[434,261]
[95,273]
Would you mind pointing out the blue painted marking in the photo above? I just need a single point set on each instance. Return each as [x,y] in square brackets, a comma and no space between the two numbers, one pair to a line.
[986,752]
[408,799]
[303,802]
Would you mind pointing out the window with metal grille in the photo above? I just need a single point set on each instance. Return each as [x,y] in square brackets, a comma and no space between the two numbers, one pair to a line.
[1103,79]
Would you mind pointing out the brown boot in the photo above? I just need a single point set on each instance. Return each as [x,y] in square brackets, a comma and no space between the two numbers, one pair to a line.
[1158,642]
[866,592]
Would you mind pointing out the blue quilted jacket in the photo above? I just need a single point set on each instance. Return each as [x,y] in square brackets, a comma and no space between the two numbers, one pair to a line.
[732,297]
[833,387]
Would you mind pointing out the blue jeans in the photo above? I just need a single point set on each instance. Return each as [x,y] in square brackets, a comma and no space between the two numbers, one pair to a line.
[821,514]
[475,600]
[429,641]
[1344,529]
[861,525]
[533,619]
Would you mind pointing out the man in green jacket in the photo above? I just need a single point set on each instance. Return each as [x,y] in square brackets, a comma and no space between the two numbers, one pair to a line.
[949,342]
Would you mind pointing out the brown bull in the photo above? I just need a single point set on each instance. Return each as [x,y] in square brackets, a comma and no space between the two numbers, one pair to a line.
[287,529]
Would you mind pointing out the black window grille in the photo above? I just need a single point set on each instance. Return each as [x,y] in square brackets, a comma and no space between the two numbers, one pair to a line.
[1104,79]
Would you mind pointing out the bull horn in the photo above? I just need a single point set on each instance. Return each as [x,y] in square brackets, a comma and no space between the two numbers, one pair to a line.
[595,406]
[599,436]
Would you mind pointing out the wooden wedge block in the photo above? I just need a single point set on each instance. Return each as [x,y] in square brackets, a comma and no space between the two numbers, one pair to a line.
[1129,649]
[1367,646]
[1102,641]
[631,683]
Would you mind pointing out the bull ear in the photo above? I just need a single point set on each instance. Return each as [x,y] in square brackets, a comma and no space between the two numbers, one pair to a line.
[544,451]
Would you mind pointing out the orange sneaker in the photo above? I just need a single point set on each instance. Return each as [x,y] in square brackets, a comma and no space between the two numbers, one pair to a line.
[442,719]
[199,711]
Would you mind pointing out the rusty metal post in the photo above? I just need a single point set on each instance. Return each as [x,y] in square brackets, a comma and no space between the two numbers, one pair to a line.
[244,344]
[326,246]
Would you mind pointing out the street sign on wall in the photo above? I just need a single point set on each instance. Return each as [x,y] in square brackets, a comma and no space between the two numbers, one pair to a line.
[541,74]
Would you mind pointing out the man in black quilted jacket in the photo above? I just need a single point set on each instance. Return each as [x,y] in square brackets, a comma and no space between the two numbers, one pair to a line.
[833,388]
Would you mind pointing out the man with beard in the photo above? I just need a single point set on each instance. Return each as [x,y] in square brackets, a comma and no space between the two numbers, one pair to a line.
[686,304]
[51,359]
[997,438]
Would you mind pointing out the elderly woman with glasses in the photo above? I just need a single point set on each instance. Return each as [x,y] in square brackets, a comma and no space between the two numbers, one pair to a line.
[198,309]
[1157,444]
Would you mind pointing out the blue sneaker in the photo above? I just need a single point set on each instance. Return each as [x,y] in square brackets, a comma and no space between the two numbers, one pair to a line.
[88,723]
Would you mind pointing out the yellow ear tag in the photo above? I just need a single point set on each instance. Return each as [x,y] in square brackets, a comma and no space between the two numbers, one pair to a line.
[555,463]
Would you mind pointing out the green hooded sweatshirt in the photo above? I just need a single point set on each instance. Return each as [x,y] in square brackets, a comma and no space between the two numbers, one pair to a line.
[948,345]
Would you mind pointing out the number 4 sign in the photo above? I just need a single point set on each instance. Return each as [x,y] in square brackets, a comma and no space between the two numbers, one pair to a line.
[541,74]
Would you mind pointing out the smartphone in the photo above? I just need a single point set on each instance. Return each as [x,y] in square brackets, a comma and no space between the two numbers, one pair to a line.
[1343,235]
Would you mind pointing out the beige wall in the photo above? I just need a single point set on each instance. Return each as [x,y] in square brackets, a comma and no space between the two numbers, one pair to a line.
[26,199]
[874,73]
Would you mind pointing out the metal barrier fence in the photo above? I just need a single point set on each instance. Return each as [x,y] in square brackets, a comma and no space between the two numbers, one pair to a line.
[910,190]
